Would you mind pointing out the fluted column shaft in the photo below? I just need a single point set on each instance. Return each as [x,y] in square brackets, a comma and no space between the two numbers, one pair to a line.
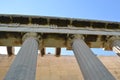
[10,50]
[58,51]
[42,51]
[116,43]
[116,46]
[24,65]
[90,65]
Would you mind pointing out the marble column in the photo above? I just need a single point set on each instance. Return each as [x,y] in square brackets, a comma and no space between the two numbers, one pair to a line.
[10,50]
[90,65]
[58,51]
[116,46]
[116,43]
[24,64]
[42,51]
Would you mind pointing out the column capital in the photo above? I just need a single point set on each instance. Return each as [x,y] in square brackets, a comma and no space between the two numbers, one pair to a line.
[33,35]
[71,38]
[76,36]
[113,38]
[110,40]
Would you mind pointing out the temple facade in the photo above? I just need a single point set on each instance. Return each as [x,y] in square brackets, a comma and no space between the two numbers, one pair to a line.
[34,33]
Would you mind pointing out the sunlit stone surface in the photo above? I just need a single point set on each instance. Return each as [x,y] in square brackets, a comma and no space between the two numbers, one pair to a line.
[61,68]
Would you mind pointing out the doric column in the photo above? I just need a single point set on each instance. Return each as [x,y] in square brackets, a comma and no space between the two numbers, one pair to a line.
[89,64]
[24,65]
[58,51]
[114,43]
[42,51]
[116,47]
[10,50]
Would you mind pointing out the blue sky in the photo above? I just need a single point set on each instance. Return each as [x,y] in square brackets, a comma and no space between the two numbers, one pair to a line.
[96,51]
[86,9]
